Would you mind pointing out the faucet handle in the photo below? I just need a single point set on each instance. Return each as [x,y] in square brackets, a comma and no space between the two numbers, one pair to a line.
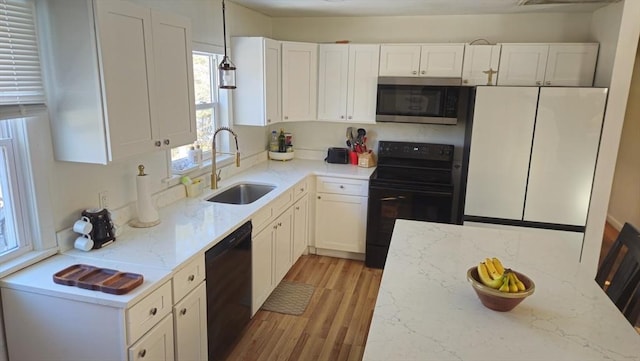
[218,175]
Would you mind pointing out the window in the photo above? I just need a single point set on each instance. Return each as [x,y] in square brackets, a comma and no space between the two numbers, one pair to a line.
[211,107]
[21,105]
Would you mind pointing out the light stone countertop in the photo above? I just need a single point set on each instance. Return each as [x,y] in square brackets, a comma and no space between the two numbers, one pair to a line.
[427,310]
[188,228]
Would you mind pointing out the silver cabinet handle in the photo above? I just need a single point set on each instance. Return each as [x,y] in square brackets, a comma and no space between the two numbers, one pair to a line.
[423,72]
[153,311]
[286,117]
[275,226]
[341,187]
[414,72]
[297,208]
[268,120]
[142,353]
[158,143]
[342,117]
[319,197]
[301,189]
[183,311]
[191,278]
[279,224]
[167,141]
[466,81]
[548,83]
[538,83]
[350,117]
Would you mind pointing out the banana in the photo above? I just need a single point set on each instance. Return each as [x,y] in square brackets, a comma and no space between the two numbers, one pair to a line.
[498,265]
[483,273]
[512,282]
[492,269]
[505,285]
[519,284]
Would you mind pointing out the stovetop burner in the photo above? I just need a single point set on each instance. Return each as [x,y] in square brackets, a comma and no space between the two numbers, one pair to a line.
[414,163]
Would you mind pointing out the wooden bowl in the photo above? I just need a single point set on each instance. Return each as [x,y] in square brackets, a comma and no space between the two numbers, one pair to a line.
[496,300]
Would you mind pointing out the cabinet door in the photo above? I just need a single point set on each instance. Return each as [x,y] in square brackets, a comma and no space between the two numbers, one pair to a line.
[571,64]
[497,177]
[124,36]
[262,271]
[299,81]
[441,60]
[157,344]
[362,85]
[191,325]
[174,79]
[283,242]
[522,64]
[564,154]
[272,80]
[399,60]
[300,227]
[341,222]
[479,59]
[333,67]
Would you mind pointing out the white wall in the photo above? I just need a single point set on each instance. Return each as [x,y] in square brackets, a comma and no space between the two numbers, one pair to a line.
[463,28]
[605,29]
[75,186]
[622,70]
[624,205]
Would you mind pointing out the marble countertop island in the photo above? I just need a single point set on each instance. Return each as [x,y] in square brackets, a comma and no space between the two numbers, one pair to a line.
[427,310]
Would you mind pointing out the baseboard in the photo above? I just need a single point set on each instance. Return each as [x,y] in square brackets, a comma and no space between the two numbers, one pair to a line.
[614,222]
[339,254]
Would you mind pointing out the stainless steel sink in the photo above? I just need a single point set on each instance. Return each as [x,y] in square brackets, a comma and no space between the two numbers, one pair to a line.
[243,193]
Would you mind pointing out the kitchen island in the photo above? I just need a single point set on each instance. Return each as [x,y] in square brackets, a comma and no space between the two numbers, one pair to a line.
[427,310]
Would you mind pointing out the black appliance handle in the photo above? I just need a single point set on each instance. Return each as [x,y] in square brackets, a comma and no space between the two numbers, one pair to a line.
[405,188]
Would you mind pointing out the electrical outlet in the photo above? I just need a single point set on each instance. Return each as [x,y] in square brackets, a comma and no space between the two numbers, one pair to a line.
[103,199]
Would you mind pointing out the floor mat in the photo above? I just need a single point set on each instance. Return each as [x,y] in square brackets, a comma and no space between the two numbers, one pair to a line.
[289,298]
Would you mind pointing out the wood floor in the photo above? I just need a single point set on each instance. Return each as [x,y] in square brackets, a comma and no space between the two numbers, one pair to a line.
[333,327]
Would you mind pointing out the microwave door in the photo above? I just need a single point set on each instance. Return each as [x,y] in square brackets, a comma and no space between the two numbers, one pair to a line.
[411,104]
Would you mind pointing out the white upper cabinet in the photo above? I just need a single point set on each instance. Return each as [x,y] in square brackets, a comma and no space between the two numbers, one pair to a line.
[547,64]
[479,61]
[429,60]
[257,98]
[123,79]
[347,84]
[299,81]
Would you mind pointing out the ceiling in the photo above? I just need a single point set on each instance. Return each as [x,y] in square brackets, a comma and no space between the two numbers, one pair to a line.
[317,8]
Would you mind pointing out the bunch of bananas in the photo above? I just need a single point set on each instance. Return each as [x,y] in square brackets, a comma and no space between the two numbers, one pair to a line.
[493,274]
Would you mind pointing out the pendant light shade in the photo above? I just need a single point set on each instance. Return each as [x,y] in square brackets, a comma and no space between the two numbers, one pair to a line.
[226,69]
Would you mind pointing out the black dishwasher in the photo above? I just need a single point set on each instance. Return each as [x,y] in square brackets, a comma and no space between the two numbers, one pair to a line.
[228,272]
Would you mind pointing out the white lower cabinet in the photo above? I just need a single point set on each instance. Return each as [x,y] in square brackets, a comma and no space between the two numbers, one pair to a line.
[341,214]
[156,345]
[300,227]
[190,325]
[283,244]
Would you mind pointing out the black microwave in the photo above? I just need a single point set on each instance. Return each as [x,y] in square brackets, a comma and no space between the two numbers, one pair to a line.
[418,100]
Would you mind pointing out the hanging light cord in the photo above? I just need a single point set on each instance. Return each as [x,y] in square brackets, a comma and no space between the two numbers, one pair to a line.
[224,30]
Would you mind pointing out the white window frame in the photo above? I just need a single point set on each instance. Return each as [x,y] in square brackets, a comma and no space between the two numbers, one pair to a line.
[221,108]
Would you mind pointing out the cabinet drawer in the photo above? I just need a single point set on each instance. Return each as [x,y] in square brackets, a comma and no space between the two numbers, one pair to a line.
[283,202]
[300,189]
[188,278]
[261,218]
[156,345]
[354,187]
[146,313]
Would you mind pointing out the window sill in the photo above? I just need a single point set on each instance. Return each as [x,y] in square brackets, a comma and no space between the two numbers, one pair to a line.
[221,161]
[25,261]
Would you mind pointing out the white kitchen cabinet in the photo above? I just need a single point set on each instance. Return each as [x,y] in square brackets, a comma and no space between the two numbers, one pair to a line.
[478,61]
[155,345]
[547,64]
[563,158]
[120,79]
[347,82]
[300,227]
[282,246]
[257,97]
[428,60]
[540,173]
[191,325]
[341,214]
[261,268]
[190,311]
[299,81]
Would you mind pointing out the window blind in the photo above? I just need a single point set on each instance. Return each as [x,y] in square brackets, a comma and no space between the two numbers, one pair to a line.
[21,89]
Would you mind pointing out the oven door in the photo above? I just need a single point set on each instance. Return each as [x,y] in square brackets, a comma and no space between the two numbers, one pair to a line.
[386,204]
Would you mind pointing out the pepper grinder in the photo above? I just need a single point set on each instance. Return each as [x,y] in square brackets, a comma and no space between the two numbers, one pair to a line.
[147,213]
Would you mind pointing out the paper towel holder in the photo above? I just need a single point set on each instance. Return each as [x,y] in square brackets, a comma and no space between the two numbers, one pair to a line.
[147,213]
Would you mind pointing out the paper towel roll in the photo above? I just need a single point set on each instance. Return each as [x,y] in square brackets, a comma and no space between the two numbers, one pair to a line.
[146,211]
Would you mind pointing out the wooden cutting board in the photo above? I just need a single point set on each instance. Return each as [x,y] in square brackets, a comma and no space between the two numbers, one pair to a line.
[98,279]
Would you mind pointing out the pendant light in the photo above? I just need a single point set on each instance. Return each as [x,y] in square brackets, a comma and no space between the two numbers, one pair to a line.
[226,69]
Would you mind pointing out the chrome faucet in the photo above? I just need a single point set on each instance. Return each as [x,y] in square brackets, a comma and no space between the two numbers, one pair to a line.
[215,176]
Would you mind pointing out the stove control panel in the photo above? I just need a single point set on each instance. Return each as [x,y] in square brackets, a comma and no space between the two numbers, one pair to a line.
[409,150]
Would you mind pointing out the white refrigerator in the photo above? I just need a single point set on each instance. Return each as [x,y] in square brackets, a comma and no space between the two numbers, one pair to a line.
[533,152]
